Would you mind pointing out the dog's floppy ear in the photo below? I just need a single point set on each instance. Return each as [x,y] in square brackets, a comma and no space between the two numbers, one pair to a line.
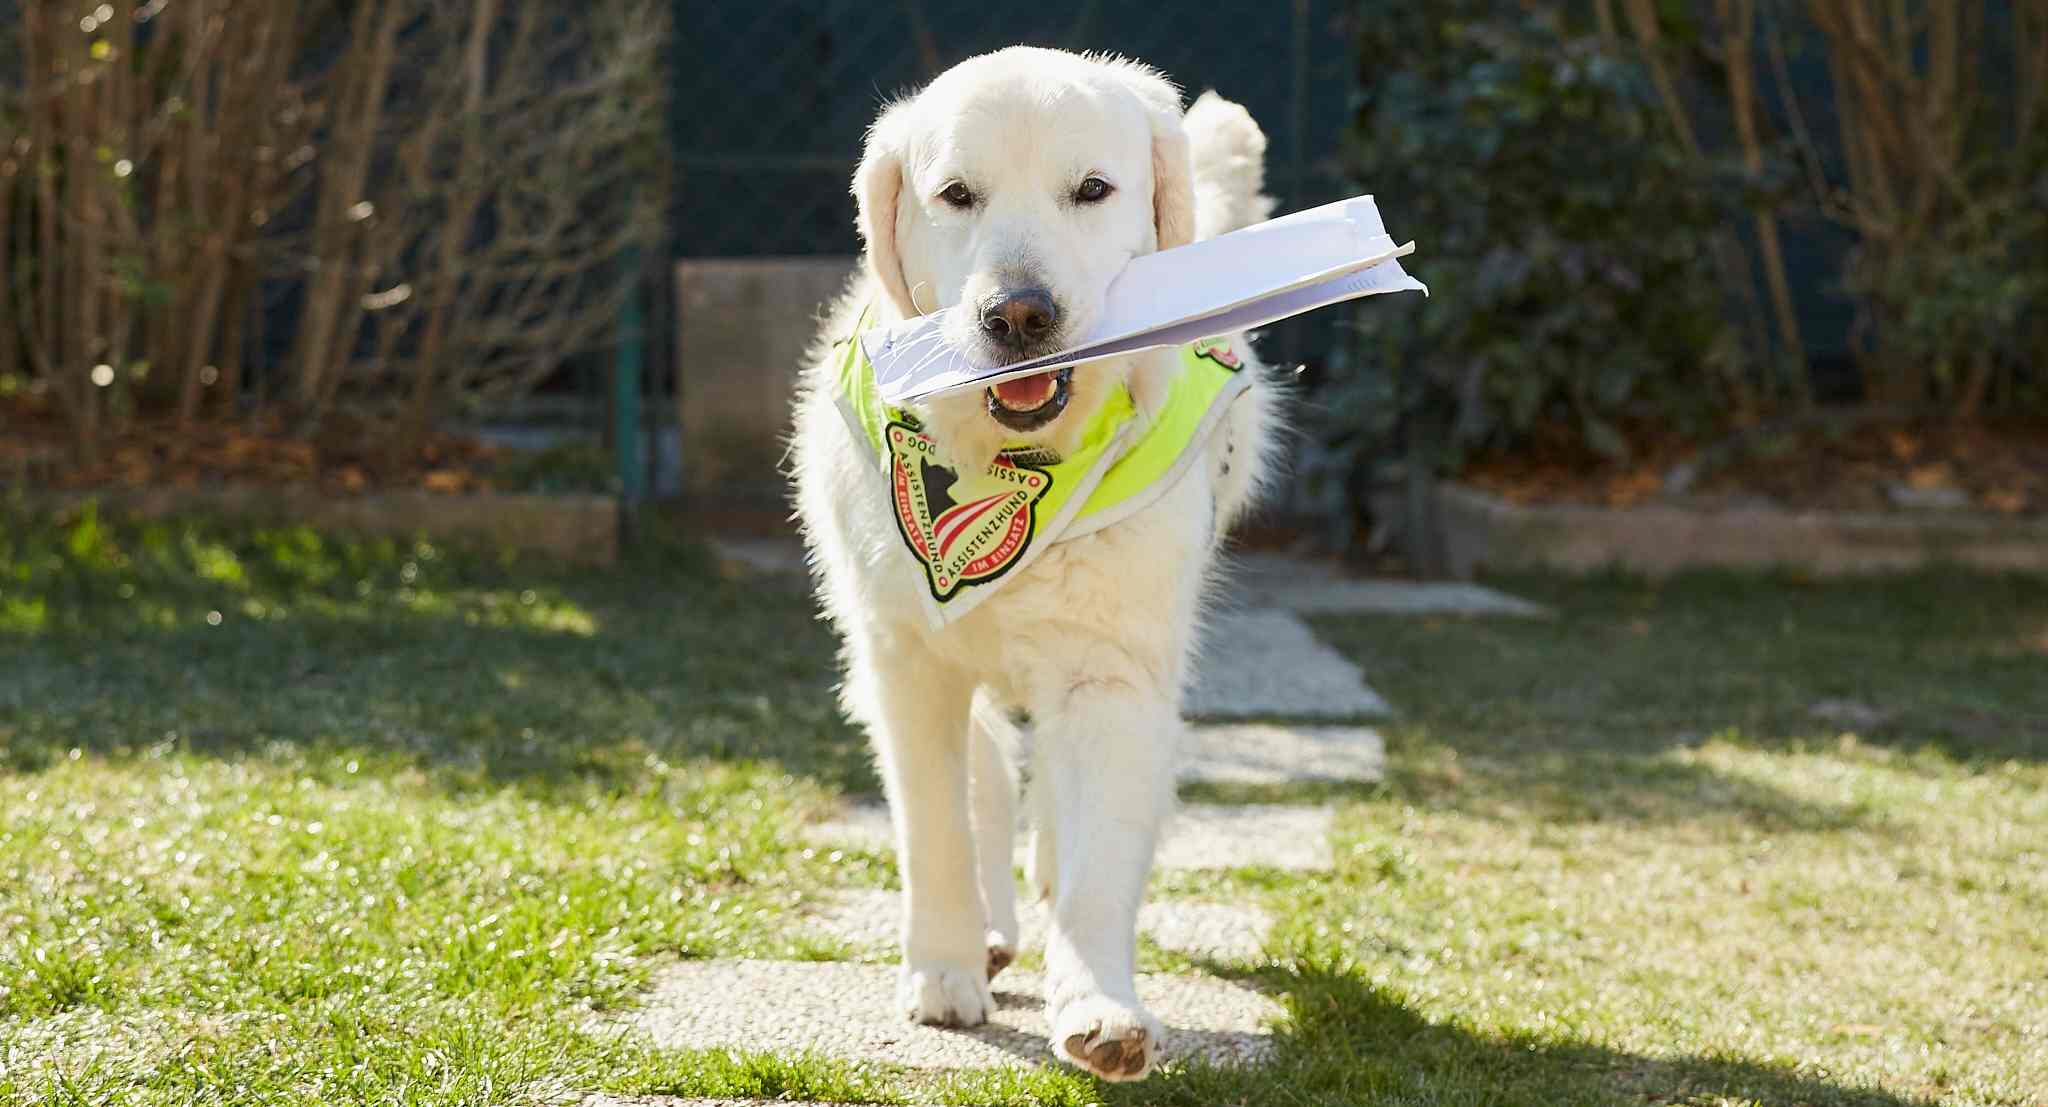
[1173,205]
[877,189]
[1173,176]
[1173,182]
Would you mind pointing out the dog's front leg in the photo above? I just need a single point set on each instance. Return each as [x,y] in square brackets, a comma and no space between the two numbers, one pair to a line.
[993,794]
[1108,761]
[919,720]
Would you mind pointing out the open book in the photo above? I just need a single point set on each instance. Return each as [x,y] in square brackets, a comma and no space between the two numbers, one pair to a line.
[1233,282]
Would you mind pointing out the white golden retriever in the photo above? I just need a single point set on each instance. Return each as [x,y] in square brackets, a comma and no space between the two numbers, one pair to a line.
[1019,183]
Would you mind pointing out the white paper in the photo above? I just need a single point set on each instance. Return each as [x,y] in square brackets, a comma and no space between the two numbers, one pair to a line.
[1247,278]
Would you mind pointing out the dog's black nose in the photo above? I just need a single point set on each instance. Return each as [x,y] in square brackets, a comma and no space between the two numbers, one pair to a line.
[1018,317]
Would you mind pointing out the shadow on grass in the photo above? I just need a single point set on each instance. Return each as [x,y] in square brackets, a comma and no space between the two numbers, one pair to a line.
[1592,787]
[1349,1042]
[1945,658]
[1585,717]
[479,671]
[1343,1042]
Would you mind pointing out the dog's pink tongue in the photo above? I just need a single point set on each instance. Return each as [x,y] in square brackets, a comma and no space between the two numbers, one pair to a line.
[1025,393]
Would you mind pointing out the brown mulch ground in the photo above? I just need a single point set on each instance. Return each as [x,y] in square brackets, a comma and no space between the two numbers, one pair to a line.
[345,456]
[1557,467]
[1840,465]
[1827,464]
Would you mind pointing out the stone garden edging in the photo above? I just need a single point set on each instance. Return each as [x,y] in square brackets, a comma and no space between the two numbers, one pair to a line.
[1475,530]
[578,528]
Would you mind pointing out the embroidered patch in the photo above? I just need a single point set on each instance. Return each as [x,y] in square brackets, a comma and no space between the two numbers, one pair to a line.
[1219,351]
[964,532]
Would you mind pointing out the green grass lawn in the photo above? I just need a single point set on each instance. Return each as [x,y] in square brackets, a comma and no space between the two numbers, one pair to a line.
[292,819]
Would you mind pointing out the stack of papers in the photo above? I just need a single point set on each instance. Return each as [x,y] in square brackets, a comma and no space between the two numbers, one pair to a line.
[1247,278]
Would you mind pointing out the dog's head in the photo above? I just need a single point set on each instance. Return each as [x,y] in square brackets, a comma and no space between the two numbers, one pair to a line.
[1019,183]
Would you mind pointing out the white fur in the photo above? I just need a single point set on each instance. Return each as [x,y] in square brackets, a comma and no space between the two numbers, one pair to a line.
[1093,640]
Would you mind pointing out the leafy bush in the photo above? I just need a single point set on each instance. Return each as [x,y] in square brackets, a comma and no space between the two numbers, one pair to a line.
[1567,243]
[1596,189]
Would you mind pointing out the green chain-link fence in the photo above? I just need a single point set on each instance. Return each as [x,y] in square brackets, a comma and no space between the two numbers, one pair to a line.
[771,98]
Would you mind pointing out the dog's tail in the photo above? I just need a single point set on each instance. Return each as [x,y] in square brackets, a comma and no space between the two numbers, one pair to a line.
[1229,155]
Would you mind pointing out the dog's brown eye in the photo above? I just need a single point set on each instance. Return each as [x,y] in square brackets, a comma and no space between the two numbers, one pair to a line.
[957,195]
[1091,190]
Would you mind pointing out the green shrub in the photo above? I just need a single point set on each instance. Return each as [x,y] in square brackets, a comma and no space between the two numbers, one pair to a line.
[1601,238]
[1566,241]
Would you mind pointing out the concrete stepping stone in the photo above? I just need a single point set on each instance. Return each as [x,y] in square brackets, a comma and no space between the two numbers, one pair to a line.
[1268,664]
[862,826]
[1318,587]
[849,1011]
[1255,580]
[1266,753]
[1253,835]
[1263,663]
[601,1099]
[869,917]
[1401,597]
[760,556]
[1273,753]
[1201,836]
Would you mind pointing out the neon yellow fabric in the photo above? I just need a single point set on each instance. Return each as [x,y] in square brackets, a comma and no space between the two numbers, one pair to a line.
[1209,368]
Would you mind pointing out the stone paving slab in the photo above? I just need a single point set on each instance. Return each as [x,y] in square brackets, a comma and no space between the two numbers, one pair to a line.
[1271,753]
[1266,753]
[869,918]
[862,826]
[766,556]
[1309,586]
[1268,664]
[1201,836]
[1267,835]
[603,1100]
[1320,587]
[1401,597]
[849,1011]
[1257,663]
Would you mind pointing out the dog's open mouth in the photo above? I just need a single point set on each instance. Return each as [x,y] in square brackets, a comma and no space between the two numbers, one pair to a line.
[1028,403]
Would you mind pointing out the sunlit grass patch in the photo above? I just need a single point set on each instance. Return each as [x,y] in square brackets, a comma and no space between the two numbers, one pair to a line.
[1649,841]
[413,824]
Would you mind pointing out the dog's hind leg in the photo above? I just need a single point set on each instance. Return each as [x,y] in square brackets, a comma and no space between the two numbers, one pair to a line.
[993,792]
[1044,858]
[916,708]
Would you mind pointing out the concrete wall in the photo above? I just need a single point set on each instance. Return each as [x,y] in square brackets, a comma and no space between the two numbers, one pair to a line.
[742,325]
[576,528]
[1482,531]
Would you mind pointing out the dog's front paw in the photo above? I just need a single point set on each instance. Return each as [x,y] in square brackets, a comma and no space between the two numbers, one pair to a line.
[939,994]
[1114,1040]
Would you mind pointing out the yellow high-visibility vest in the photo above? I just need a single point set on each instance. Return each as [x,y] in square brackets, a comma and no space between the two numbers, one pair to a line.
[967,532]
